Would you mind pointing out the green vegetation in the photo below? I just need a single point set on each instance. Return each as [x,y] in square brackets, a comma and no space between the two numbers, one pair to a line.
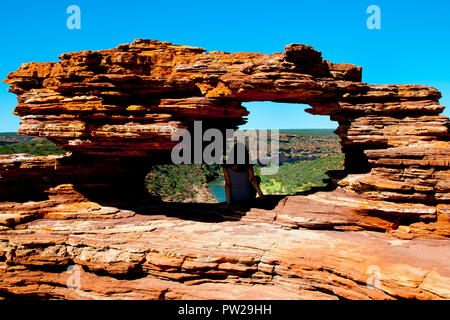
[8,134]
[309,132]
[37,148]
[181,182]
[300,176]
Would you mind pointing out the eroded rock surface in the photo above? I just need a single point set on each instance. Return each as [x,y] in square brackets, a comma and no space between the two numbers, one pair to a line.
[153,256]
[116,110]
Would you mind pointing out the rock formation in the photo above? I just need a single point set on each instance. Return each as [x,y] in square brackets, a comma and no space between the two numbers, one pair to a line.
[115,111]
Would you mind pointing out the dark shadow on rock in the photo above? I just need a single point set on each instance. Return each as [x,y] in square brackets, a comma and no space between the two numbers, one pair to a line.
[206,212]
[314,190]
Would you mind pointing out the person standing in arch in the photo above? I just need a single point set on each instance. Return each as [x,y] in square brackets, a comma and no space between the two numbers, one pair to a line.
[241,183]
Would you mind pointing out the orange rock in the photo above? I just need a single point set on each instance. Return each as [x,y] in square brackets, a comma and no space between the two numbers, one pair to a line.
[115,111]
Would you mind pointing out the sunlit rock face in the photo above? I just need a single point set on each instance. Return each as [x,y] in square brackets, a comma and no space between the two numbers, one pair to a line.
[116,110]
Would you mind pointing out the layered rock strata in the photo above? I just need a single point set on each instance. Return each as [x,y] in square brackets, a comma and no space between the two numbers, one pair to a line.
[116,111]
[153,256]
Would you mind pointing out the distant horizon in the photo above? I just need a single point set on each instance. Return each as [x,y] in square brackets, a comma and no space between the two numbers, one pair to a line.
[9,132]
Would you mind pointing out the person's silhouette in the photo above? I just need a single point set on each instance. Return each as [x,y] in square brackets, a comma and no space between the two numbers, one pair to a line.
[241,183]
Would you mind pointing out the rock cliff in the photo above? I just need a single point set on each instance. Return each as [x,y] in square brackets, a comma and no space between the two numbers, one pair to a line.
[115,111]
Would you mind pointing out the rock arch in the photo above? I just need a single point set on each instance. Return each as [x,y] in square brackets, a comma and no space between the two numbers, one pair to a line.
[115,109]
[121,106]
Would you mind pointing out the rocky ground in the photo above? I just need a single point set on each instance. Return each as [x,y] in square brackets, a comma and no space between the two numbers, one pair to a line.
[79,225]
[194,251]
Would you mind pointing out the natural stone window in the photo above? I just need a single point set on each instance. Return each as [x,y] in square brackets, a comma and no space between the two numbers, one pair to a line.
[114,111]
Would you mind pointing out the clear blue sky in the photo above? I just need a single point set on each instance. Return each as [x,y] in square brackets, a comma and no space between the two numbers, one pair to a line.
[412,46]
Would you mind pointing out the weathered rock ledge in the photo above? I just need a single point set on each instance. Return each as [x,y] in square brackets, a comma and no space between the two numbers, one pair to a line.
[136,256]
[115,110]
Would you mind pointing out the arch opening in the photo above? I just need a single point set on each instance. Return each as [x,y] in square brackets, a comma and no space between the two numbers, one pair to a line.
[309,153]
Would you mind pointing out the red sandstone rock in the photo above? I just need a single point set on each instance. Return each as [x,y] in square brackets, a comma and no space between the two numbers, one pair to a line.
[74,101]
[116,109]
[228,260]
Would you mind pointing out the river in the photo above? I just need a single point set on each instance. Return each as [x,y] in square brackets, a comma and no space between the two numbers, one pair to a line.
[217,188]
